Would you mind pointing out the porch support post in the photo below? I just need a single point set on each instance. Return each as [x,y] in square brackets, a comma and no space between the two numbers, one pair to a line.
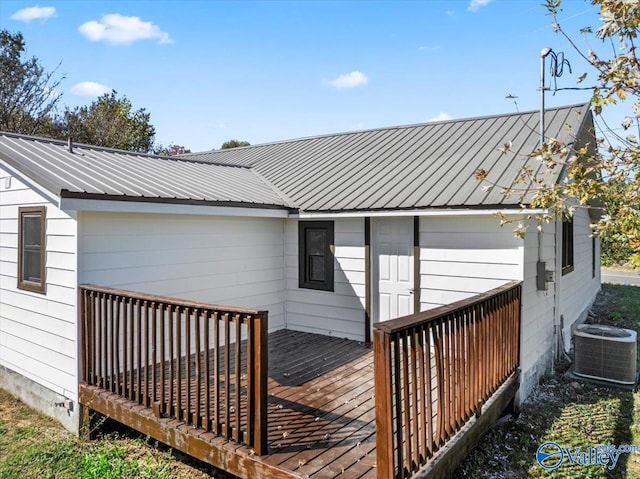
[367,279]
[260,388]
[416,264]
[385,453]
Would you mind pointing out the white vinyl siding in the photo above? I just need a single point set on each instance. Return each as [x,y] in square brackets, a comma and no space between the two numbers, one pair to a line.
[340,312]
[536,328]
[578,288]
[220,260]
[38,331]
[464,256]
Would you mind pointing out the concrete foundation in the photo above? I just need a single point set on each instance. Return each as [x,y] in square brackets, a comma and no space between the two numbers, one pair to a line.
[44,400]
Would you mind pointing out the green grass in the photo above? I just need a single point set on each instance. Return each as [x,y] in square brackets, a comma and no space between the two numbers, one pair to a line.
[619,306]
[34,446]
[570,413]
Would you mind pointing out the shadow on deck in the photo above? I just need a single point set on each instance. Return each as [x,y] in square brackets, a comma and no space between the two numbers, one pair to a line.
[321,418]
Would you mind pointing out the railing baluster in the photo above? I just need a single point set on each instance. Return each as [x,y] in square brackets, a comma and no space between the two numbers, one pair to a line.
[207,380]
[195,419]
[164,314]
[178,351]
[475,345]
[398,405]
[187,354]
[415,421]
[250,422]
[120,332]
[406,429]
[116,345]
[153,308]
[227,373]
[429,401]
[172,387]
[238,375]
[216,372]
[125,351]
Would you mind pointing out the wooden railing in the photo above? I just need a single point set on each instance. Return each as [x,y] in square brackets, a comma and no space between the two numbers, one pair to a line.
[202,364]
[435,369]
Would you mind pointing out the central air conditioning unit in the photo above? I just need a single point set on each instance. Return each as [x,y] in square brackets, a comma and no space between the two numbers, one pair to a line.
[605,353]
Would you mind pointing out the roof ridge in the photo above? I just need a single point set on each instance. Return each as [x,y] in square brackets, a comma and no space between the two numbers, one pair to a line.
[104,149]
[385,128]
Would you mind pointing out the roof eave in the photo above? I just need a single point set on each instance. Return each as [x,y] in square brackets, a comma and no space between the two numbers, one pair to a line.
[83,201]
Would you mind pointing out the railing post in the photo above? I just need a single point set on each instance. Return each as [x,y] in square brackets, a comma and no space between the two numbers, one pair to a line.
[84,334]
[261,366]
[383,404]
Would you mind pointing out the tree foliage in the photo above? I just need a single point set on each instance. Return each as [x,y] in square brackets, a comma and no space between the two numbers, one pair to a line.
[604,174]
[171,150]
[109,121]
[234,144]
[28,93]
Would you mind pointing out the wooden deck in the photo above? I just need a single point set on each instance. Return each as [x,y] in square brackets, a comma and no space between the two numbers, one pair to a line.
[209,381]
[321,418]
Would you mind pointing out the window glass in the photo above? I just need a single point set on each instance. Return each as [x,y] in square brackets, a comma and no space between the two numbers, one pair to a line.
[31,249]
[315,261]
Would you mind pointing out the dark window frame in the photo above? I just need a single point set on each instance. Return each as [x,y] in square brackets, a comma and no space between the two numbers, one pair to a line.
[305,257]
[23,283]
[567,246]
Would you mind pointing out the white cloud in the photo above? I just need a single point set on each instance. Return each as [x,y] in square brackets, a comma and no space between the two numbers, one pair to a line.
[120,30]
[34,13]
[429,48]
[474,5]
[442,116]
[89,88]
[347,80]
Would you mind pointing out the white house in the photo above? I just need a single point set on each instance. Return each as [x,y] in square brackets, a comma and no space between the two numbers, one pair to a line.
[330,234]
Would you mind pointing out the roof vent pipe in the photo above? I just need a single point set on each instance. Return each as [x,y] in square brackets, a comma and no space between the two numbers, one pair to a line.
[70,145]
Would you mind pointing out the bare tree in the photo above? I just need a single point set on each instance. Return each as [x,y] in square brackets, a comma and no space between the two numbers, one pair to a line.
[28,93]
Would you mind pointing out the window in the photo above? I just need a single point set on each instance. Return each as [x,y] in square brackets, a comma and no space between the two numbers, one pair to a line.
[315,255]
[31,234]
[567,246]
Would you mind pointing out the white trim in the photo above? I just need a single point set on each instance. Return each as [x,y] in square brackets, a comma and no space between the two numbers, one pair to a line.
[79,204]
[38,188]
[422,212]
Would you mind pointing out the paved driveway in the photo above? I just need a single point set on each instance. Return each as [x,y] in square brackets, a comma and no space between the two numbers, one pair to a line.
[630,278]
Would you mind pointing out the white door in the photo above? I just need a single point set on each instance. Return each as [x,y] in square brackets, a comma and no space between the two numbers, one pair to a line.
[393,242]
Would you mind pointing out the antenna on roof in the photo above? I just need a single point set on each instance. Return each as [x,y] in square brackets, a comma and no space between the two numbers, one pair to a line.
[70,145]
[543,54]
[558,61]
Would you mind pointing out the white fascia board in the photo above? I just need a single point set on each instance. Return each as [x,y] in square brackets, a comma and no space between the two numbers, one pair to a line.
[47,194]
[79,204]
[431,212]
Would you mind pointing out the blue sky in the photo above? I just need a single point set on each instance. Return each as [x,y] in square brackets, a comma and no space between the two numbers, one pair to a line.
[209,71]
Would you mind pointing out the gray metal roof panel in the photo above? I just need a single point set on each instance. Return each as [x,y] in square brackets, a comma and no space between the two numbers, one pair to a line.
[405,167]
[97,171]
[414,166]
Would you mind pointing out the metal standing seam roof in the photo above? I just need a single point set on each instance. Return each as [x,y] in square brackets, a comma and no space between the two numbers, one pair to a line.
[98,172]
[428,165]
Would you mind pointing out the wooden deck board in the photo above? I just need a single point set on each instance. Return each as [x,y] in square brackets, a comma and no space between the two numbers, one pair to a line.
[321,413]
